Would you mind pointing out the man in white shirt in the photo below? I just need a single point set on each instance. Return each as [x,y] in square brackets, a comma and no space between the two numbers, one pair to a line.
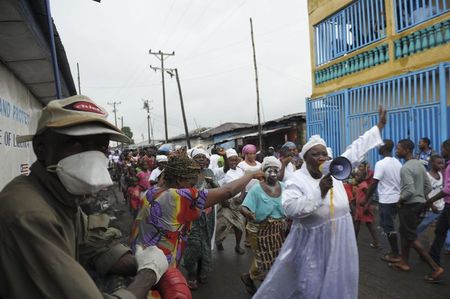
[387,181]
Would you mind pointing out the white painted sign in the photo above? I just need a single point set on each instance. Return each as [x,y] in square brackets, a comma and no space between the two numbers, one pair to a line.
[19,112]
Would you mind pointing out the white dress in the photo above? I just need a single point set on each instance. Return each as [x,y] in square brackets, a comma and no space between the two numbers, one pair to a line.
[319,258]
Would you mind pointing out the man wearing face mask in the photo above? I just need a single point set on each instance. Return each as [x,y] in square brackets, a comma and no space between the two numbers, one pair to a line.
[41,224]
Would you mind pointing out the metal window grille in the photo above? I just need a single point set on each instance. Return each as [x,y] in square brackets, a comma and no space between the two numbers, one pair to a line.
[409,13]
[359,24]
[416,104]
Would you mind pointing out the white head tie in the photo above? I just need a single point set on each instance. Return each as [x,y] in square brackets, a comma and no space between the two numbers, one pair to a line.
[313,141]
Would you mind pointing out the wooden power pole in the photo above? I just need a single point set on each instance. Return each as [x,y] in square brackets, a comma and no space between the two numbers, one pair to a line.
[186,130]
[160,55]
[114,104]
[257,88]
[79,84]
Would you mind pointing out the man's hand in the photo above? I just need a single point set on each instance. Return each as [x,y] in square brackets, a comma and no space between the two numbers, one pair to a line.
[221,152]
[434,209]
[286,160]
[381,117]
[151,258]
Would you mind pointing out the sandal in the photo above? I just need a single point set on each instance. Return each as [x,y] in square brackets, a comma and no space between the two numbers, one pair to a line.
[192,284]
[249,284]
[388,258]
[375,245]
[400,267]
[435,277]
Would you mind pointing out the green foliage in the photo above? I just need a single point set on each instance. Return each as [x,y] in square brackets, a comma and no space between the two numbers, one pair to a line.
[127,131]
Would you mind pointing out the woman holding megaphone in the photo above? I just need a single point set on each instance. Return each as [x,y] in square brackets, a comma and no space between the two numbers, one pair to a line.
[319,258]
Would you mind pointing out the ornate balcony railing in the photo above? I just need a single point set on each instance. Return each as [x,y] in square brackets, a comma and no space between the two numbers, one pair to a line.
[362,61]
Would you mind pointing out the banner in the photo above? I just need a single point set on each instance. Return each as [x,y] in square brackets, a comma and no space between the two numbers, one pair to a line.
[19,113]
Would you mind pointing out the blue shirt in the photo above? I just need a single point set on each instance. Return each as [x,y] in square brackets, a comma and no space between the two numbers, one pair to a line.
[263,205]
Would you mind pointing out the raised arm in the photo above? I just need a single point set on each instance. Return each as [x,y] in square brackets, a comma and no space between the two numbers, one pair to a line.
[370,139]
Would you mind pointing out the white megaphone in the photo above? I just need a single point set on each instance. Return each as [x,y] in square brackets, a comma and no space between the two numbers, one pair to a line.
[340,168]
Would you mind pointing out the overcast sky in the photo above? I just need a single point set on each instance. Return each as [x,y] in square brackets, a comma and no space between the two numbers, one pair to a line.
[211,39]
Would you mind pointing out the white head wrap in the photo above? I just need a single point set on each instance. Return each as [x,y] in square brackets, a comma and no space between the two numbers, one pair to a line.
[270,161]
[161,158]
[199,151]
[231,153]
[330,152]
[313,140]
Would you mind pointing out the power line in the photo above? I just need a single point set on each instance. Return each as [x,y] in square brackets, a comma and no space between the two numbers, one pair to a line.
[176,26]
[226,18]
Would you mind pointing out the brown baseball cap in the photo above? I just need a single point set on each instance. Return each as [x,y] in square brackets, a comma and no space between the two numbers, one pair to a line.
[76,116]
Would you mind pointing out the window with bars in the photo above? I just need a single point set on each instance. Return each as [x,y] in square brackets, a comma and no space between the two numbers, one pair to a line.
[409,13]
[357,25]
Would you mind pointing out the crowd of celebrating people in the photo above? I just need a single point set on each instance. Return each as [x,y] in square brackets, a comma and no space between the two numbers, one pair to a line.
[300,224]
[291,198]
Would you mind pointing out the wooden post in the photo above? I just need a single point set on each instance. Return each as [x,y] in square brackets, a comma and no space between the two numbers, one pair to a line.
[186,130]
[257,88]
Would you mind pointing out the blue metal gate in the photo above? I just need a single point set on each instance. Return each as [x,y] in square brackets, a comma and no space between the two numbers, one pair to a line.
[416,104]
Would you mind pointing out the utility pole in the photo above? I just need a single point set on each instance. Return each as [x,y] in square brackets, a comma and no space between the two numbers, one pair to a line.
[257,88]
[186,130]
[121,122]
[161,55]
[148,108]
[115,110]
[79,85]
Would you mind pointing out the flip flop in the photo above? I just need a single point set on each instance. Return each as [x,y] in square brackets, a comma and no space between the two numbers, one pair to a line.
[431,279]
[396,266]
[389,259]
[373,245]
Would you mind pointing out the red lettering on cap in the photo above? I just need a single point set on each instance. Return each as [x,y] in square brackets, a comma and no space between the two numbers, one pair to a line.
[86,107]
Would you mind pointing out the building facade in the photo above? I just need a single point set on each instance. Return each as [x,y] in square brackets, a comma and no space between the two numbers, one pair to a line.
[26,80]
[367,53]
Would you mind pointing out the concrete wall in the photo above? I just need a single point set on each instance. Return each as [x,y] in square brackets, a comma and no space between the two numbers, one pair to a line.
[19,112]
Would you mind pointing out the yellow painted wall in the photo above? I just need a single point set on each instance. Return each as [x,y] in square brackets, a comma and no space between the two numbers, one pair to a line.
[320,9]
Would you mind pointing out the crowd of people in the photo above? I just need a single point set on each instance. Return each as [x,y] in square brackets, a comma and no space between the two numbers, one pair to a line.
[300,224]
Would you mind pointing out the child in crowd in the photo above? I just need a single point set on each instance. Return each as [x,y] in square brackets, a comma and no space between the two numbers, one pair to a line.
[143,175]
[134,196]
[364,212]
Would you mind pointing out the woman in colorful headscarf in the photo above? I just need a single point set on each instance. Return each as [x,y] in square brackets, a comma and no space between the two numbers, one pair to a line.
[249,163]
[265,215]
[198,257]
[229,216]
[168,211]
[319,258]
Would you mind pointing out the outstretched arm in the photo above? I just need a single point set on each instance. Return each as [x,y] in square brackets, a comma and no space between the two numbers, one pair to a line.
[231,189]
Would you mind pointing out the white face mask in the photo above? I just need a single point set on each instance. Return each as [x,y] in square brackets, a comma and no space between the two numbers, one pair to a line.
[83,173]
